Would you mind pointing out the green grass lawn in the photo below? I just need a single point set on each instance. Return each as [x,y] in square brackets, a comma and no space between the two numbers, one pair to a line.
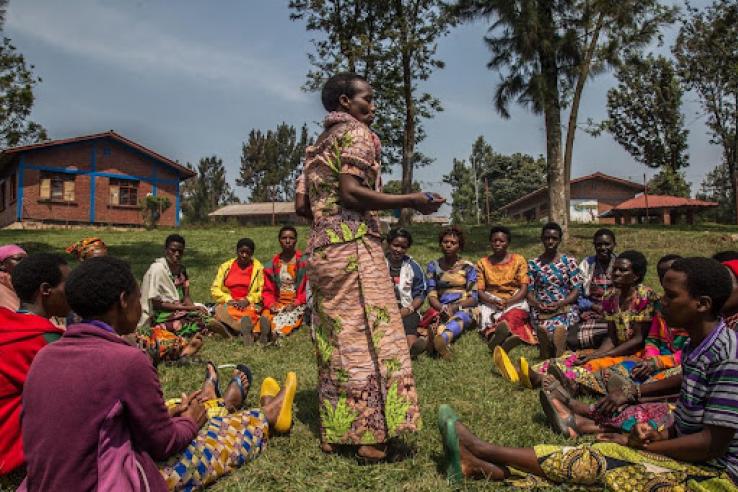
[495,410]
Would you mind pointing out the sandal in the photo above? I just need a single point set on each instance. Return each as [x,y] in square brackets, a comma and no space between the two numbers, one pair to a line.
[284,420]
[213,380]
[525,373]
[569,385]
[452,449]
[237,380]
[504,366]
[560,425]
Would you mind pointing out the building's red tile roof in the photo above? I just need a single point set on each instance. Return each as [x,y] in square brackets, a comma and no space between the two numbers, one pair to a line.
[598,175]
[661,201]
[182,170]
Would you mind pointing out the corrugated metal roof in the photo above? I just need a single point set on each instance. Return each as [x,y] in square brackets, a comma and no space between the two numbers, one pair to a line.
[258,208]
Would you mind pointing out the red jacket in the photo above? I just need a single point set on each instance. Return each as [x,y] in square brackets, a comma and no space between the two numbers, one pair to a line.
[270,294]
[22,335]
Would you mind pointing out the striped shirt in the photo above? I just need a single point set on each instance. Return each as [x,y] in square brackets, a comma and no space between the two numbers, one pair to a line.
[709,393]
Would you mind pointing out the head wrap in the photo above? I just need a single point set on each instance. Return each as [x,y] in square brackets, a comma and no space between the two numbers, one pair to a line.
[733,265]
[85,248]
[10,250]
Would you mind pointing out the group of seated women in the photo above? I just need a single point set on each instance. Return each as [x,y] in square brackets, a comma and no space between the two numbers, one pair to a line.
[87,412]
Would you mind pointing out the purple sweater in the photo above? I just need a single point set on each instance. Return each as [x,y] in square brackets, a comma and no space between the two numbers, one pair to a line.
[94,416]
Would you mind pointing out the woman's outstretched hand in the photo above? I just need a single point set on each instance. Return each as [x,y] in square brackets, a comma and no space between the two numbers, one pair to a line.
[426,202]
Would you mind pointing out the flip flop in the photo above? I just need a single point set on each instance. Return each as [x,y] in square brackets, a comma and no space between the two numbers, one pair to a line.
[504,366]
[214,380]
[237,380]
[452,450]
[284,420]
[560,425]
[525,373]
[569,385]
[269,387]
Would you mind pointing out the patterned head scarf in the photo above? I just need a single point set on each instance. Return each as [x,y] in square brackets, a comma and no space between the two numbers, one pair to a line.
[88,247]
[9,250]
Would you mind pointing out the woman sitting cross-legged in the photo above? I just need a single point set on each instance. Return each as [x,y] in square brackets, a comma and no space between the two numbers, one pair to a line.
[452,293]
[503,287]
[699,451]
[237,292]
[94,417]
[285,286]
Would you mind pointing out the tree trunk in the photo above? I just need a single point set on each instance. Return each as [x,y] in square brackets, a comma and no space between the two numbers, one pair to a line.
[408,137]
[574,113]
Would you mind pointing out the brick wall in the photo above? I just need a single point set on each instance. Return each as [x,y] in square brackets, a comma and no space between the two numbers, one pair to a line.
[109,157]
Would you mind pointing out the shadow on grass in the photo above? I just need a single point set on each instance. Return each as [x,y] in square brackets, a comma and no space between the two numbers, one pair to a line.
[306,401]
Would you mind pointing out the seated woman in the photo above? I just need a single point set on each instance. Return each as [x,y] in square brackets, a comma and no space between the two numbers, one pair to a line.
[730,310]
[10,256]
[411,286]
[166,304]
[285,281]
[39,282]
[94,416]
[555,281]
[503,286]
[596,280]
[237,289]
[699,451]
[452,293]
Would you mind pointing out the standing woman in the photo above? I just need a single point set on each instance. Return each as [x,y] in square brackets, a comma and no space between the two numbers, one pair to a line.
[366,389]
[555,281]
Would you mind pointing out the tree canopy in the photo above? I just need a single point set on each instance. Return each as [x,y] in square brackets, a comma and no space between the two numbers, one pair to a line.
[207,191]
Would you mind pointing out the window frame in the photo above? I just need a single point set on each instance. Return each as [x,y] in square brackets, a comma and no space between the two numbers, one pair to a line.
[125,187]
[58,189]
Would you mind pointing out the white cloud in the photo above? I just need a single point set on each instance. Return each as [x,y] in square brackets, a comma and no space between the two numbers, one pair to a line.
[113,36]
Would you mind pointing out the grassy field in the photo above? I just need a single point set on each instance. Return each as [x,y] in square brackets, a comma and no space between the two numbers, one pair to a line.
[495,410]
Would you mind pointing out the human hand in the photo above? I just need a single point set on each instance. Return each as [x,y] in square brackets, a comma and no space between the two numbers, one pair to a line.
[499,304]
[426,202]
[196,412]
[201,309]
[614,437]
[240,303]
[583,359]
[643,370]
[611,403]
[642,434]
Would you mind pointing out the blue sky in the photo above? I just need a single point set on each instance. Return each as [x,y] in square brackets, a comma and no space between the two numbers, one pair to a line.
[192,78]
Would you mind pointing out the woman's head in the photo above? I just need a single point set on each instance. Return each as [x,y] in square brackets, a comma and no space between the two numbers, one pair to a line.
[694,289]
[499,239]
[451,240]
[10,256]
[288,239]
[88,248]
[629,269]
[604,243]
[399,241]
[103,288]
[245,249]
[731,305]
[349,93]
[174,247]
[664,264]
[551,235]
[39,280]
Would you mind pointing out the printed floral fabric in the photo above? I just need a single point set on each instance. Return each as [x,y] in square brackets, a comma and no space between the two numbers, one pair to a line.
[347,146]
[366,389]
[552,282]
[639,308]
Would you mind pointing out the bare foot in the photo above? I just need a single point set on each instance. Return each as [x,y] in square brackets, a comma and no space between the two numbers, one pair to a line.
[373,452]
[536,379]
[271,406]
[193,346]
[466,438]
[209,391]
[327,448]
[233,398]
[564,413]
[473,467]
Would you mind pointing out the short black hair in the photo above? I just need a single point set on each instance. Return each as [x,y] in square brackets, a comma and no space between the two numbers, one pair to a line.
[500,228]
[96,285]
[336,86]
[638,263]
[246,241]
[452,231]
[173,238]
[400,232]
[723,256]
[604,232]
[668,257]
[286,228]
[706,277]
[35,270]
[552,226]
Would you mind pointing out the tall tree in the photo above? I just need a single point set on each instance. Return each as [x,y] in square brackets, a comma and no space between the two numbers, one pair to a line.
[207,191]
[669,182]
[270,162]
[546,51]
[716,187]
[645,116]
[463,206]
[707,57]
[392,43]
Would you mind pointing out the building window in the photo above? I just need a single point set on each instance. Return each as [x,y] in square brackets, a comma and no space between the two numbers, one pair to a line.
[57,187]
[123,192]
[13,188]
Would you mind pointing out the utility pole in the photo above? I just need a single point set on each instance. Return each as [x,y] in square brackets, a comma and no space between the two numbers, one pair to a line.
[645,196]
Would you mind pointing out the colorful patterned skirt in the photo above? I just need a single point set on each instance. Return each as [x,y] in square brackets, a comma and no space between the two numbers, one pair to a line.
[284,322]
[589,332]
[161,344]
[550,322]
[222,445]
[366,390]
[516,319]
[655,414]
[181,323]
[616,468]
[231,316]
